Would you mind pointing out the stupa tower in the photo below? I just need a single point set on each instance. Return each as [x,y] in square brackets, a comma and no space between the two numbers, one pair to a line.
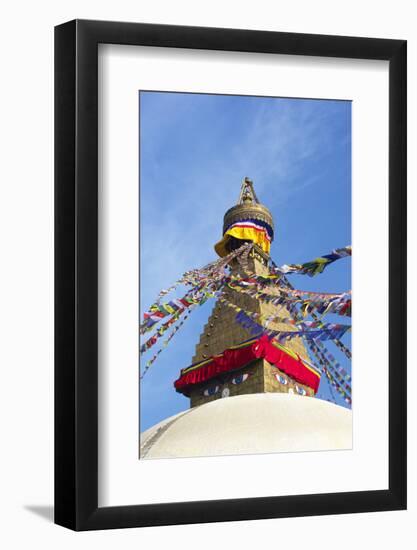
[247,221]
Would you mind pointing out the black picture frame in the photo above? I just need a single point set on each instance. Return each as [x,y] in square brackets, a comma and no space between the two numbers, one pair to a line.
[76,272]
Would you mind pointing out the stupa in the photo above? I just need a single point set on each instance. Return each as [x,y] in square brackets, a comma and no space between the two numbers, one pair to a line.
[248,393]
[247,221]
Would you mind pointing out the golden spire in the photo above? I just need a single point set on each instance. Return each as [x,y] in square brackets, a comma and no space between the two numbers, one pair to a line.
[247,207]
[247,192]
[248,220]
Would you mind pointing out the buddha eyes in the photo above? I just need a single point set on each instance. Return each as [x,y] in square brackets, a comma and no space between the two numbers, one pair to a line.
[212,390]
[281,379]
[240,378]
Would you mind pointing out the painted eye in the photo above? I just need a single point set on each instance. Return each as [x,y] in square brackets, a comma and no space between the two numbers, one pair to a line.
[211,391]
[240,378]
[281,379]
[300,391]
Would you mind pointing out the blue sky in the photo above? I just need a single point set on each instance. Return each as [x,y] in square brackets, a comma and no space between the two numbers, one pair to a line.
[195,149]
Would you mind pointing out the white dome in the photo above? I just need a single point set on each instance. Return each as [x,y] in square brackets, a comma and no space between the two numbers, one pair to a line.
[248,424]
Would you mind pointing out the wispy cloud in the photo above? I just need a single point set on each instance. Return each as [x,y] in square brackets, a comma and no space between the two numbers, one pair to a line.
[191,174]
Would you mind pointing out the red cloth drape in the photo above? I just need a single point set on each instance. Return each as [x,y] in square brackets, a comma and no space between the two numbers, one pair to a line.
[238,357]
[295,368]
